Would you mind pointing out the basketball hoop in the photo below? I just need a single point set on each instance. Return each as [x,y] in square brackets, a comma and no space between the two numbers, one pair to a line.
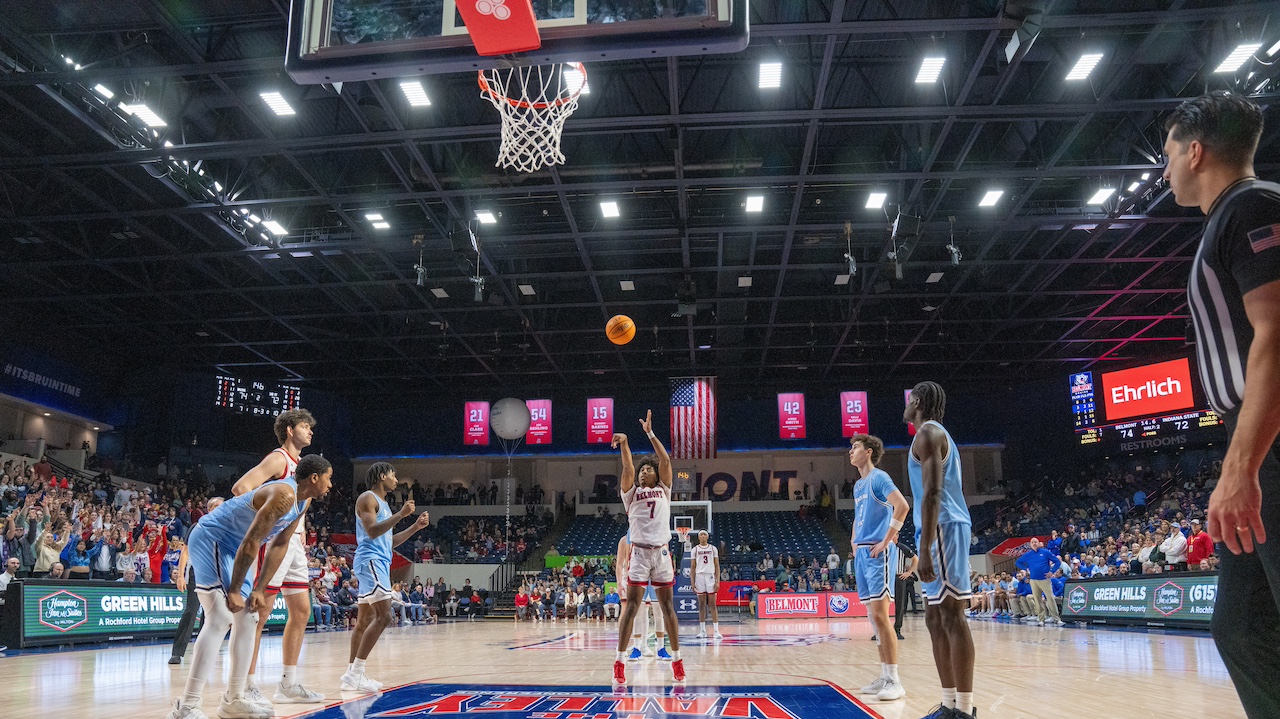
[683,534]
[534,102]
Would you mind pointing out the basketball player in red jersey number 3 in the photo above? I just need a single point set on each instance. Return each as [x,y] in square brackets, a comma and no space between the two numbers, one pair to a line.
[647,500]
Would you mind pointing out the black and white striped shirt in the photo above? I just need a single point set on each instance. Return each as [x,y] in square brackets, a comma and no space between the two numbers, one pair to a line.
[1239,252]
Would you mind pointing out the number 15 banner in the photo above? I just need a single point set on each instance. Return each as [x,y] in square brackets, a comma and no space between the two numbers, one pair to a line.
[599,420]
[791,415]
[853,413]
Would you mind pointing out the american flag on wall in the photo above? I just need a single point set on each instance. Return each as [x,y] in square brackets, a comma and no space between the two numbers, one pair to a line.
[693,417]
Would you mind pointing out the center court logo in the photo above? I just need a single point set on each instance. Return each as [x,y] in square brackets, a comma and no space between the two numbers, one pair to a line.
[1078,599]
[811,701]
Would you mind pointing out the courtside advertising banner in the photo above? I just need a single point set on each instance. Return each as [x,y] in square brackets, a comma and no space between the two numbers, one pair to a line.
[853,413]
[1015,546]
[791,415]
[475,431]
[539,422]
[818,605]
[599,420]
[1185,598]
[69,612]
[737,593]
[1149,389]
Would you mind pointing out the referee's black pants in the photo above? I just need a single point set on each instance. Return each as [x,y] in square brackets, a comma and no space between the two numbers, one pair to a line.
[1246,615]
[188,620]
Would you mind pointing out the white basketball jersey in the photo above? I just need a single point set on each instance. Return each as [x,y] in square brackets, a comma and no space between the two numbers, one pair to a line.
[291,470]
[704,558]
[649,512]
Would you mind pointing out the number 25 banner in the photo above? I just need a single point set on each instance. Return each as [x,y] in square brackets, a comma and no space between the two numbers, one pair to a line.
[853,413]
[599,420]
[791,415]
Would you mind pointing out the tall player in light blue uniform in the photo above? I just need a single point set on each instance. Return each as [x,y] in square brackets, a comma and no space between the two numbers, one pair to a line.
[879,511]
[223,550]
[372,568]
[942,537]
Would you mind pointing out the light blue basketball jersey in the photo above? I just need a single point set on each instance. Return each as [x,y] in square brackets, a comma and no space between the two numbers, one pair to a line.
[230,522]
[954,508]
[377,548]
[872,511]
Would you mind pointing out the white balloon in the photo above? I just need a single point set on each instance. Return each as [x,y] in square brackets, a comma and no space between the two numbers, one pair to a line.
[509,418]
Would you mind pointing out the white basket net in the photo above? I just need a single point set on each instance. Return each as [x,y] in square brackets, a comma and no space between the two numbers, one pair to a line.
[534,102]
[683,534]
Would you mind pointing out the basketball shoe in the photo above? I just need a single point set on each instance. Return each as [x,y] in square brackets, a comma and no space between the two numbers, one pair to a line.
[891,691]
[873,687]
[242,708]
[296,694]
[619,672]
[358,682]
[664,655]
[635,654]
[181,712]
[255,695]
[677,669]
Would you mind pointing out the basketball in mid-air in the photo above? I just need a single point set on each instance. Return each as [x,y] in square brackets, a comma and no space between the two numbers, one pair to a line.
[620,329]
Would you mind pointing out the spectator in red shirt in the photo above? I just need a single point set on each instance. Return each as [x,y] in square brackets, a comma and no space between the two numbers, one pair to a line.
[578,571]
[1199,547]
[522,604]
[43,470]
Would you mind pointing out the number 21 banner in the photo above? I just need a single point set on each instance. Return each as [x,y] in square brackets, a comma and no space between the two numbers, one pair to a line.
[791,415]
[539,422]
[599,420]
[476,424]
[853,413]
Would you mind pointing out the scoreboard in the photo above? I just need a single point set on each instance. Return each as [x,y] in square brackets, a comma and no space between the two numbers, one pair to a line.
[265,399]
[1145,407]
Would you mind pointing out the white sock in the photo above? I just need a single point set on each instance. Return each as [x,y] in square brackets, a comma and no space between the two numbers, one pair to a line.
[964,702]
[620,656]
[949,697]
[891,671]
[250,683]
[289,678]
[675,656]
[235,688]
[357,666]
[716,625]
[884,670]
[191,695]
[703,627]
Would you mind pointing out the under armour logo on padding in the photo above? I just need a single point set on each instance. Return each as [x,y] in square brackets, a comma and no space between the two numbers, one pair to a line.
[495,8]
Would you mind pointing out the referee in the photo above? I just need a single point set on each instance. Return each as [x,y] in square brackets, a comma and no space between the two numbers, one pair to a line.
[904,585]
[1234,297]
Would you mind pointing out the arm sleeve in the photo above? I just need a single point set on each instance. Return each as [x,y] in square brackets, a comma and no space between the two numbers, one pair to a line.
[1251,241]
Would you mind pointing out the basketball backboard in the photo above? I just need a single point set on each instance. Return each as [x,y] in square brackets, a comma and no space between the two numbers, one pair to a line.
[347,40]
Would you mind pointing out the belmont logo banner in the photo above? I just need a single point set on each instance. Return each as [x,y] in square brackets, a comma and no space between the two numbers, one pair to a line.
[1149,389]
[1015,546]
[821,605]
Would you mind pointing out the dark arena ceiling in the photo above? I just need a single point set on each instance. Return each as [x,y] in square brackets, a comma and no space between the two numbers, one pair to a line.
[114,247]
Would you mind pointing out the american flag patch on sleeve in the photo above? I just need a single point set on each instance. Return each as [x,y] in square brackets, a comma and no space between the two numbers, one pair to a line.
[1264,238]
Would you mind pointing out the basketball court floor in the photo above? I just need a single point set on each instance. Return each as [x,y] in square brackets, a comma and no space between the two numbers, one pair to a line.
[776,669]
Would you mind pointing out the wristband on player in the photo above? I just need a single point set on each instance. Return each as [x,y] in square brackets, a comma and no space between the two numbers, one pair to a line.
[652,435]
[896,524]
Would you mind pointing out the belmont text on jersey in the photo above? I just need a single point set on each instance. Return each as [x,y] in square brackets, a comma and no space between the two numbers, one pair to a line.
[646,493]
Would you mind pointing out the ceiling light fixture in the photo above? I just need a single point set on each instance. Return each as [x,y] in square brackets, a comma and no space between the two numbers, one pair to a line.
[46,414]
[842,279]
[1101,196]
[933,277]
[876,200]
[1084,66]
[770,75]
[277,103]
[439,293]
[1134,187]
[744,281]
[609,209]
[275,227]
[144,113]
[373,217]
[486,217]
[103,91]
[382,225]
[414,93]
[930,69]
[627,285]
[755,203]
[526,290]
[1238,57]
[991,198]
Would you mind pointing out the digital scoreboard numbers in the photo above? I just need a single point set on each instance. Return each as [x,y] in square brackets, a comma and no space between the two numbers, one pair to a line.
[265,399]
[1082,408]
